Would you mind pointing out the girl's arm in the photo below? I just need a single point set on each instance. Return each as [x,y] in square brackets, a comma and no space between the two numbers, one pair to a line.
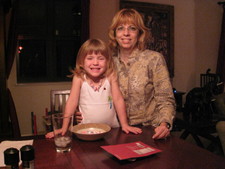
[71,105]
[120,106]
[72,101]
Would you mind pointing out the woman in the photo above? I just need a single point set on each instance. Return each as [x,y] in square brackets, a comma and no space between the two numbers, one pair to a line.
[142,74]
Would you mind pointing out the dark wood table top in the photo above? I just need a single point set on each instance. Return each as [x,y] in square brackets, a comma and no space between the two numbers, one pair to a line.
[176,154]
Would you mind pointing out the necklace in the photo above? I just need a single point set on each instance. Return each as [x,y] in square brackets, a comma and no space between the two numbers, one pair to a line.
[96,86]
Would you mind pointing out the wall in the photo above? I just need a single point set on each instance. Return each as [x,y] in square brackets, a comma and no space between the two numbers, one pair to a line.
[197,30]
[208,28]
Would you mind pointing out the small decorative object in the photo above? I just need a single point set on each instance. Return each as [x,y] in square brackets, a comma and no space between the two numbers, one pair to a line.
[27,156]
[11,157]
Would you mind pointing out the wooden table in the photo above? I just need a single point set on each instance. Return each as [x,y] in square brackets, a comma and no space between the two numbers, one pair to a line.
[176,154]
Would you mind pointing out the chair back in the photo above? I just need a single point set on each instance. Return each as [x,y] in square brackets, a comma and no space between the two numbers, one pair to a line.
[198,106]
[58,100]
[212,81]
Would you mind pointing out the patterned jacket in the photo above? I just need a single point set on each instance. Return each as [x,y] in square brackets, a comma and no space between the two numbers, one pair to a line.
[145,84]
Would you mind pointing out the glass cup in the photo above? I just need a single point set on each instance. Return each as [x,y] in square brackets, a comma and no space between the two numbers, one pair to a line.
[62,129]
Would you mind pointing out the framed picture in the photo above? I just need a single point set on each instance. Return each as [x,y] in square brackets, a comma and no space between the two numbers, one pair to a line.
[159,19]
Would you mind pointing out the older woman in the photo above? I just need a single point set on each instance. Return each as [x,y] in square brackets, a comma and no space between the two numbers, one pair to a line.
[142,74]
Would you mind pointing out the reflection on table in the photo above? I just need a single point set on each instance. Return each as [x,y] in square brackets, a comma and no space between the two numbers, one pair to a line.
[176,154]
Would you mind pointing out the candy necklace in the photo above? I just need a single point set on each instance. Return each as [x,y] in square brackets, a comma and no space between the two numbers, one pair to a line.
[96,86]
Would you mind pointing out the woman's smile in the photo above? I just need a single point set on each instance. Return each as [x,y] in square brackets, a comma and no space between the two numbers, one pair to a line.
[126,36]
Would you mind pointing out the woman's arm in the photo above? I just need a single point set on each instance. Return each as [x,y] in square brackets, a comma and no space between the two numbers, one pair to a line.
[165,100]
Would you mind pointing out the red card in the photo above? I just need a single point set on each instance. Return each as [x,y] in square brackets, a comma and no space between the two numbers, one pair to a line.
[130,150]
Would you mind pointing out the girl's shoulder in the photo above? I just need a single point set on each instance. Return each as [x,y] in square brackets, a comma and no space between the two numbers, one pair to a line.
[112,77]
[78,79]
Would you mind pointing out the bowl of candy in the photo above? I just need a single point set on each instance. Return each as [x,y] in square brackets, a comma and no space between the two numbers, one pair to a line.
[91,131]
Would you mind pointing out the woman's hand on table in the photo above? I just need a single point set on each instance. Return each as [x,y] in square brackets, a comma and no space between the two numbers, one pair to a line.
[161,132]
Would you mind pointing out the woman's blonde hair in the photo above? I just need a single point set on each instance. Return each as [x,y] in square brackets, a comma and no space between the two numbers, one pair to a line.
[129,16]
[93,46]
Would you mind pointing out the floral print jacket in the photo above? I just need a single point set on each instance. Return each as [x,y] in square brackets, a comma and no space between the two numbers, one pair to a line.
[145,84]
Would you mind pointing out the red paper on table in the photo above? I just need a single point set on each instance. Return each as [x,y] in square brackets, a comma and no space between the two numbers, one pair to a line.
[130,150]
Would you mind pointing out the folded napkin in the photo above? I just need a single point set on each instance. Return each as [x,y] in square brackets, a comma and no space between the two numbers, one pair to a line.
[15,144]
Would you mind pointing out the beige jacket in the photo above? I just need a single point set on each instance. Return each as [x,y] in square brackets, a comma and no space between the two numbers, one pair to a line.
[145,84]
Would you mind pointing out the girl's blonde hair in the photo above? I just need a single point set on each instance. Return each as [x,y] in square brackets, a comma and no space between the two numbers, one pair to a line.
[93,46]
[129,16]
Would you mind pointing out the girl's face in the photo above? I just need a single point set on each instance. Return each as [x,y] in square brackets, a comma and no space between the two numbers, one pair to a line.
[127,36]
[95,65]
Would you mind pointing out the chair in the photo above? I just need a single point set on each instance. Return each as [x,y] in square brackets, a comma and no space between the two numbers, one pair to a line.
[199,113]
[58,100]
[212,80]
[198,117]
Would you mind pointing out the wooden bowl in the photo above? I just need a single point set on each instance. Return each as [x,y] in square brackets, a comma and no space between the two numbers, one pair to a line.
[91,131]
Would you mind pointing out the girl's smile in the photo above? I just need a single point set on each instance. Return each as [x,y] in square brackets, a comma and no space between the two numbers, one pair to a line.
[95,65]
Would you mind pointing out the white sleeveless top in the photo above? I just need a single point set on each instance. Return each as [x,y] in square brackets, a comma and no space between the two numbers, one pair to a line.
[97,106]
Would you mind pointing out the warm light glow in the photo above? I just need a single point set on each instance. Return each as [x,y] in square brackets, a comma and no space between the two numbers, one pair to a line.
[20,47]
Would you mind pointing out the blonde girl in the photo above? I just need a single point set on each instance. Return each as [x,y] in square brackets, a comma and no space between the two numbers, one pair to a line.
[95,91]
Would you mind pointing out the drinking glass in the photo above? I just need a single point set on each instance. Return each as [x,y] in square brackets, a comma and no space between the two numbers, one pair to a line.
[62,129]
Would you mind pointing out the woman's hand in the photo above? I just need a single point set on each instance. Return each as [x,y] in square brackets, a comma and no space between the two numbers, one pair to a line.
[127,129]
[161,131]
[78,117]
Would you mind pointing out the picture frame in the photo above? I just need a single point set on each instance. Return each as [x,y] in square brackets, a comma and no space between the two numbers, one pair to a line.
[159,18]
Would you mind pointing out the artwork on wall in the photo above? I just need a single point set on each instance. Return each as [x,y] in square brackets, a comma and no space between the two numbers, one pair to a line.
[159,18]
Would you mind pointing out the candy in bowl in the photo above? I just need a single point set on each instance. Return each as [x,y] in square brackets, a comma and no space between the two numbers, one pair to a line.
[91,131]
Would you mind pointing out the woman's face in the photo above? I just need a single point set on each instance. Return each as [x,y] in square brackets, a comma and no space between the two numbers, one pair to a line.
[127,36]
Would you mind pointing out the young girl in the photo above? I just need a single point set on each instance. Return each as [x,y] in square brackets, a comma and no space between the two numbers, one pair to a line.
[95,88]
